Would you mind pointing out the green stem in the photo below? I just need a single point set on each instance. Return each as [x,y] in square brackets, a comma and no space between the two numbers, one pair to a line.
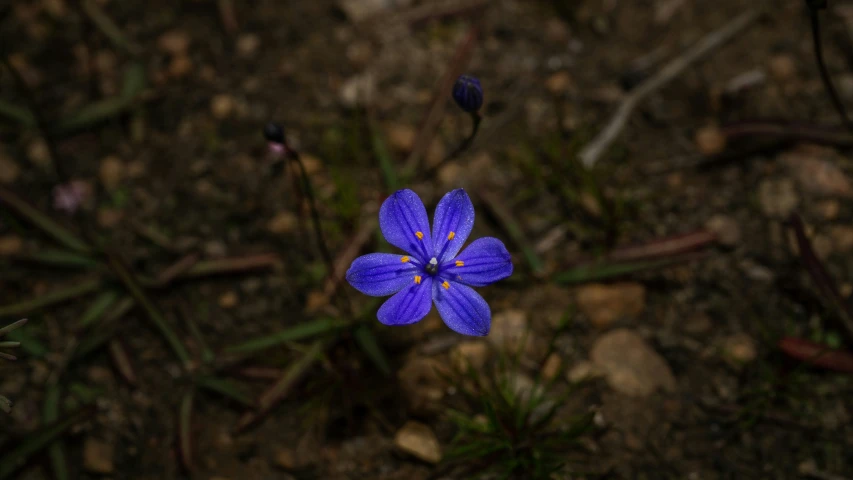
[48,299]
[465,145]
[156,317]
[42,221]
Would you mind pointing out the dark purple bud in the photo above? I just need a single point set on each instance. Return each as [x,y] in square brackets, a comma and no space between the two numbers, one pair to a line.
[274,133]
[468,93]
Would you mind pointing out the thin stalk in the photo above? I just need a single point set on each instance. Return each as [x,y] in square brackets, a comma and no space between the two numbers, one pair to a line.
[315,215]
[814,7]
[476,119]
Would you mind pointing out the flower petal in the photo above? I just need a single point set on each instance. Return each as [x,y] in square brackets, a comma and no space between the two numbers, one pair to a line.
[402,218]
[408,305]
[453,221]
[485,261]
[380,274]
[462,309]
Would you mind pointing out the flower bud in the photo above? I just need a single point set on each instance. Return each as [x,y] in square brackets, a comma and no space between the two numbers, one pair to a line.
[468,93]
[273,132]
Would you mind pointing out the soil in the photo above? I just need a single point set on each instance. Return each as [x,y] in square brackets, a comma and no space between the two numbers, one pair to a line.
[688,378]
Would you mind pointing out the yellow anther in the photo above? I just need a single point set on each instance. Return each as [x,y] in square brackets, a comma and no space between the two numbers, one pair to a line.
[420,235]
[418,279]
[404,259]
[460,263]
[446,285]
[451,235]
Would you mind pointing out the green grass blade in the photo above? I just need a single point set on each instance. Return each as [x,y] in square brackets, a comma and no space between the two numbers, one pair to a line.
[134,81]
[94,113]
[226,388]
[29,343]
[84,394]
[185,431]
[598,272]
[107,26]
[55,452]
[36,441]
[154,314]
[61,259]
[57,296]
[386,164]
[306,330]
[97,337]
[18,114]
[97,309]
[43,222]
[102,110]
[367,341]
[12,326]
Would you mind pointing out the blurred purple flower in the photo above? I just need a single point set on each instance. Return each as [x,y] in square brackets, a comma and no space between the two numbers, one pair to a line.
[276,148]
[432,272]
[69,197]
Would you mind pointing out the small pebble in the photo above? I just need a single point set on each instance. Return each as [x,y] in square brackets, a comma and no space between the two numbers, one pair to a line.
[604,304]
[777,197]
[282,222]
[174,42]
[401,137]
[726,229]
[552,366]
[248,44]
[98,456]
[783,67]
[39,154]
[221,106]
[228,300]
[710,140]
[418,439]
[559,83]
[111,172]
[180,66]
[740,348]
[470,354]
[9,170]
[10,245]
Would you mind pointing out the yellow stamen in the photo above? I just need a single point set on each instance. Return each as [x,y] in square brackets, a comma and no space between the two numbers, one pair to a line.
[418,279]
[446,285]
[420,235]
[404,259]
[451,235]
[460,263]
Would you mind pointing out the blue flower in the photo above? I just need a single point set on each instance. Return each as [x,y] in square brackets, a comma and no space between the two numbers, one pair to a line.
[432,272]
[468,93]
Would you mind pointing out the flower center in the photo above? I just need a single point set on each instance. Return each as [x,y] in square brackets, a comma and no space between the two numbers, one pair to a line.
[432,267]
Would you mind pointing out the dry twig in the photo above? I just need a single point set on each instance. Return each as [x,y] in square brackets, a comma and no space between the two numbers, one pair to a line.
[595,149]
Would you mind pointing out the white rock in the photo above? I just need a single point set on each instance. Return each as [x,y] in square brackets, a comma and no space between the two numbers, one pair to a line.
[632,367]
[418,440]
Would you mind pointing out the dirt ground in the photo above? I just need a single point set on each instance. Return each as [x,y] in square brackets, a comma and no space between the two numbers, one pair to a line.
[183,322]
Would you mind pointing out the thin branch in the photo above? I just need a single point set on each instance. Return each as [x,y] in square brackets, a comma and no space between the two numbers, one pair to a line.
[814,7]
[592,152]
